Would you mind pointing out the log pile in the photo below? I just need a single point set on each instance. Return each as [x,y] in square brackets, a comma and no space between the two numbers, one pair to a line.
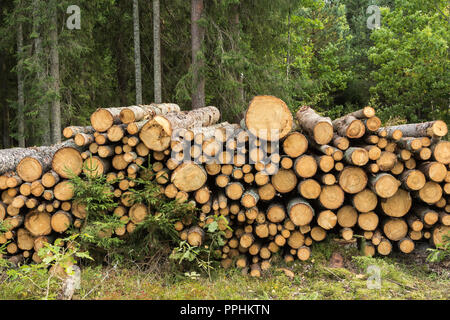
[281,181]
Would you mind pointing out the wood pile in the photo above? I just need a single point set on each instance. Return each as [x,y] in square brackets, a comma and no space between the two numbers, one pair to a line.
[281,181]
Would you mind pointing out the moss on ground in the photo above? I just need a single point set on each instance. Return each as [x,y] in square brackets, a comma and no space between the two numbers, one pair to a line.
[313,279]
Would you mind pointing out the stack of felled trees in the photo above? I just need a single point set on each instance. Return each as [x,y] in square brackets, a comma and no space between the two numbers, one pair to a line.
[281,182]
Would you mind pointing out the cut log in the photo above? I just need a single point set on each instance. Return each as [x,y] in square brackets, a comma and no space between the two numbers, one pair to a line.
[353,179]
[296,240]
[37,161]
[276,213]
[384,185]
[189,177]
[406,245]
[309,189]
[295,144]
[266,192]
[395,229]
[64,191]
[430,129]
[104,118]
[347,217]
[341,143]
[366,112]
[250,198]
[331,197]
[156,134]
[441,152]
[305,166]
[138,212]
[372,124]
[137,113]
[398,205]
[349,126]
[268,118]
[438,234]
[50,179]
[72,131]
[61,221]
[426,215]
[300,211]
[38,223]
[196,236]
[368,221]
[430,193]
[67,161]
[385,247]
[327,219]
[434,171]
[318,127]
[95,166]
[413,180]
[365,200]
[284,181]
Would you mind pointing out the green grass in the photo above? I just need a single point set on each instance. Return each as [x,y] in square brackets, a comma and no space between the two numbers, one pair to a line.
[401,278]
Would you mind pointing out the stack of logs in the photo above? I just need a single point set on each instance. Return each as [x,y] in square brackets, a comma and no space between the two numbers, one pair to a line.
[280,182]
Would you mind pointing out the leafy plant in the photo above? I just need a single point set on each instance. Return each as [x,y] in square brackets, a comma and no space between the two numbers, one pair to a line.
[57,261]
[441,251]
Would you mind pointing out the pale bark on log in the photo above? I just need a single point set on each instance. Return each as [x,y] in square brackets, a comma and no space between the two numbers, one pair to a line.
[157,133]
[425,129]
[318,127]
[10,158]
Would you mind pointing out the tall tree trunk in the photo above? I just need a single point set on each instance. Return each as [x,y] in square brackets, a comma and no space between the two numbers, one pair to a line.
[20,94]
[237,34]
[157,51]
[197,36]
[137,52]
[44,117]
[54,71]
[6,141]
[288,57]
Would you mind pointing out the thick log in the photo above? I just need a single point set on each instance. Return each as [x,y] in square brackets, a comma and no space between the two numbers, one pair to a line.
[368,221]
[38,223]
[309,189]
[305,166]
[435,171]
[137,113]
[295,144]
[395,229]
[331,197]
[356,156]
[268,118]
[156,133]
[353,179]
[318,127]
[347,217]
[430,129]
[284,181]
[300,211]
[384,185]
[349,126]
[441,152]
[398,205]
[72,131]
[66,161]
[189,177]
[365,200]
[61,221]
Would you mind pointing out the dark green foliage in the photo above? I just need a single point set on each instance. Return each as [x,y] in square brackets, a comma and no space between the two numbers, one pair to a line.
[313,52]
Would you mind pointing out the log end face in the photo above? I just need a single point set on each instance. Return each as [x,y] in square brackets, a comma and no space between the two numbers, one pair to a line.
[268,118]
[102,120]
